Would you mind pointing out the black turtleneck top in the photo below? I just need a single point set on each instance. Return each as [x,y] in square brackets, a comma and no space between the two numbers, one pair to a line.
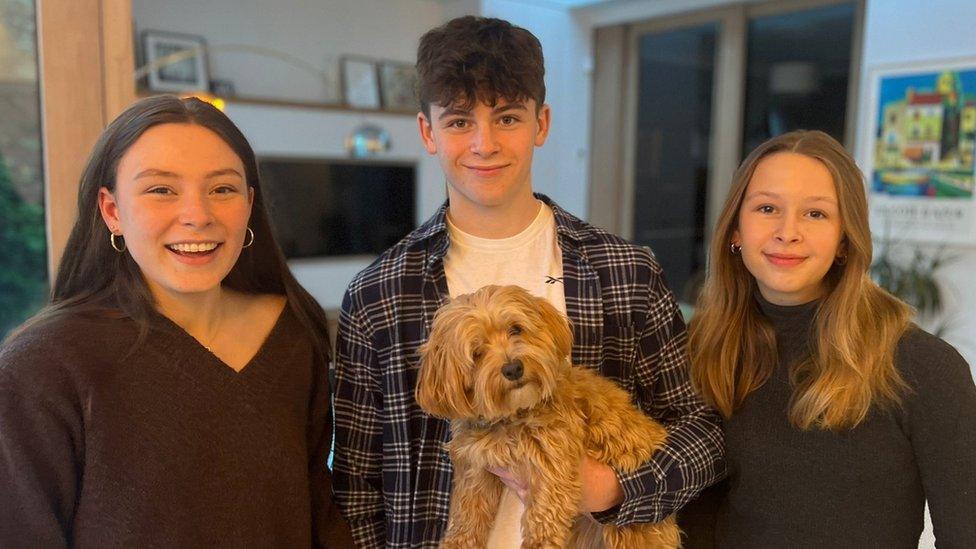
[862,487]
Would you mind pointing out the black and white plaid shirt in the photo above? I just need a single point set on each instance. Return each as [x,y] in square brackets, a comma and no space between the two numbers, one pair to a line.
[392,475]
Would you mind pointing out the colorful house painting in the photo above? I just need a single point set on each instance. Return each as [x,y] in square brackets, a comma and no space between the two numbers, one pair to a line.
[925,135]
[967,132]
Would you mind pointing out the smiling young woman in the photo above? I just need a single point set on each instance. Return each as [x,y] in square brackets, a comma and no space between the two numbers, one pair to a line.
[789,232]
[841,417]
[175,391]
[181,205]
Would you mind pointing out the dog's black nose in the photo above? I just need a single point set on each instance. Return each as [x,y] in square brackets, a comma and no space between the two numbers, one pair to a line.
[513,370]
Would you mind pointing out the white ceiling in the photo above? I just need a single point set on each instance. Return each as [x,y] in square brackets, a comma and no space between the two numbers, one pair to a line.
[570,3]
[567,4]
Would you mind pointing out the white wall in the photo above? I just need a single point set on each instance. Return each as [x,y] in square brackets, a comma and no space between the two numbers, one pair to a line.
[316,33]
[900,31]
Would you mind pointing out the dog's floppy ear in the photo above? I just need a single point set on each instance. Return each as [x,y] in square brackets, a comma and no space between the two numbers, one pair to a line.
[441,389]
[557,327]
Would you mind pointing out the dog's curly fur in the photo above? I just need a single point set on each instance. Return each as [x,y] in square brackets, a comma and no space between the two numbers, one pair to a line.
[538,422]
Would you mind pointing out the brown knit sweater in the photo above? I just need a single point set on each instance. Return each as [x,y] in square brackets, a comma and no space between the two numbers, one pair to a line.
[165,446]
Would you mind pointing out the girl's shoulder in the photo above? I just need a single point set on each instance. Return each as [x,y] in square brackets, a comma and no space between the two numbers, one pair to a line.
[65,330]
[928,361]
[63,347]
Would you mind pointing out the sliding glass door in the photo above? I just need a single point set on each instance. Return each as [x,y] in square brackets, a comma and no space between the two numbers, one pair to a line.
[704,90]
[673,138]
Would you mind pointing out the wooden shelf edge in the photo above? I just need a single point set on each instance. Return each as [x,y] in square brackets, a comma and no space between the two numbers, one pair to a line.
[296,104]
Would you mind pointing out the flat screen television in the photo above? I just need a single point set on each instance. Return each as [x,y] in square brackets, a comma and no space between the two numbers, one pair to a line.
[323,207]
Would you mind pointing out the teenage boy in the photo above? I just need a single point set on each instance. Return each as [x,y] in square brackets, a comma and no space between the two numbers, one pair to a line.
[483,112]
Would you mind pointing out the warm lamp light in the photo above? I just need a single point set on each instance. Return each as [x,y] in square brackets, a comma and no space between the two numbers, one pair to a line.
[206,97]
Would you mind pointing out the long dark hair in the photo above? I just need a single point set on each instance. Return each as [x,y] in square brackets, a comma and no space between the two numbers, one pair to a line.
[93,277]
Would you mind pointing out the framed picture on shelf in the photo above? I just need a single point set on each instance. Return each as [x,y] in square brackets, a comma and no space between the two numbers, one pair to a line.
[175,62]
[918,150]
[360,88]
[398,82]
[222,87]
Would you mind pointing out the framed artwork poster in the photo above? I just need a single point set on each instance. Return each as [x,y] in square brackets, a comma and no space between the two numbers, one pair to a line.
[918,149]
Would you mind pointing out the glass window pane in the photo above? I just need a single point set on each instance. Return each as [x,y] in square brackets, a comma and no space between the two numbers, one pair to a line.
[798,69]
[23,248]
[674,114]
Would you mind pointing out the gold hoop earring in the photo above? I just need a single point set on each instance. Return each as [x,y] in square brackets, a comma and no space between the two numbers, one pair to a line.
[249,242]
[111,240]
[735,248]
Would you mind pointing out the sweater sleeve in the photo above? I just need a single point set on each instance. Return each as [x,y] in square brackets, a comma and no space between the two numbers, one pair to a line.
[41,452]
[942,427]
[694,455]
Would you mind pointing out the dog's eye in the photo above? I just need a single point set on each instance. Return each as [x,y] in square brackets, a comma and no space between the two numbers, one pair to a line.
[476,354]
[515,330]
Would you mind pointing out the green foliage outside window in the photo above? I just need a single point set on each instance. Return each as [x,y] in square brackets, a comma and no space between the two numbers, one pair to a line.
[23,269]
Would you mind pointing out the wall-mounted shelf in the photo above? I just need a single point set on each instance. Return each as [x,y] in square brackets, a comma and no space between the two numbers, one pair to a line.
[297,104]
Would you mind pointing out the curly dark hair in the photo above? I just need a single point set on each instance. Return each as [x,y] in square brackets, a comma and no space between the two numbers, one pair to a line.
[471,59]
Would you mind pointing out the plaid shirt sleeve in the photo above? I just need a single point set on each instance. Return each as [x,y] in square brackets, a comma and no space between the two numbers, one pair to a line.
[357,470]
[694,455]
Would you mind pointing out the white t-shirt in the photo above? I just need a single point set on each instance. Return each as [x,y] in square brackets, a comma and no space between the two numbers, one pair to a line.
[531,259]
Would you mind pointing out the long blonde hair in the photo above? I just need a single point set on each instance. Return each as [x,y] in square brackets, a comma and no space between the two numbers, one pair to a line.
[732,346]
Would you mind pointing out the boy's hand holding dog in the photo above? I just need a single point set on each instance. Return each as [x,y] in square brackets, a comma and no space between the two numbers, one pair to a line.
[601,489]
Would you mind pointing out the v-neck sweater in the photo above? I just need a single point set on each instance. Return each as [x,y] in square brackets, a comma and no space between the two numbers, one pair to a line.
[860,487]
[107,444]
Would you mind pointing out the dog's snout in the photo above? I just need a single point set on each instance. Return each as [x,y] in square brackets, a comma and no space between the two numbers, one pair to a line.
[512,370]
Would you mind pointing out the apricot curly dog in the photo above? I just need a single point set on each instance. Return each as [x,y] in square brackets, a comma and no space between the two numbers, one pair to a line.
[497,364]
